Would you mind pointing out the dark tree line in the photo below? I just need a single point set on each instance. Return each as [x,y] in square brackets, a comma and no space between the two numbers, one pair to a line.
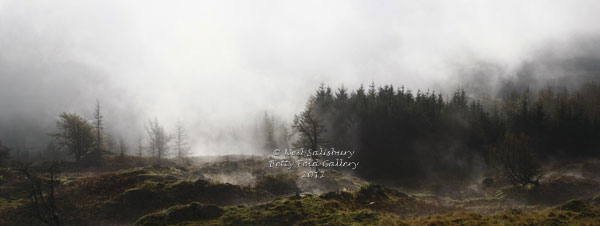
[409,136]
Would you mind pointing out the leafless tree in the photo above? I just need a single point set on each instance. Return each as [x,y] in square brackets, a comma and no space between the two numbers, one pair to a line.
[311,131]
[158,139]
[181,142]
[42,194]
[516,161]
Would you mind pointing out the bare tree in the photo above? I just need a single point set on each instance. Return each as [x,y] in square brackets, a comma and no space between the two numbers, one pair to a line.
[42,194]
[75,133]
[310,129]
[515,158]
[181,142]
[158,139]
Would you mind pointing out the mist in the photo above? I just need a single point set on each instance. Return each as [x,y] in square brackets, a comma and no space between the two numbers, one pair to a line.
[218,67]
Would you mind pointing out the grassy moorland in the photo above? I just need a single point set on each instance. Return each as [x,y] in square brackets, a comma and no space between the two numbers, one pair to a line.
[168,194]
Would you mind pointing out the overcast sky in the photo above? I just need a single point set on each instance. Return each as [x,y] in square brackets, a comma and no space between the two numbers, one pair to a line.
[218,65]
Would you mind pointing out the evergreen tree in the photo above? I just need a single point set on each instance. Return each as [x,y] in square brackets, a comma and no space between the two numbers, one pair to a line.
[99,132]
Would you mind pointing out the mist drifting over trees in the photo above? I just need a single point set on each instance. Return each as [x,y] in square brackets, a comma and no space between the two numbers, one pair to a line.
[217,67]
[186,112]
[411,137]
